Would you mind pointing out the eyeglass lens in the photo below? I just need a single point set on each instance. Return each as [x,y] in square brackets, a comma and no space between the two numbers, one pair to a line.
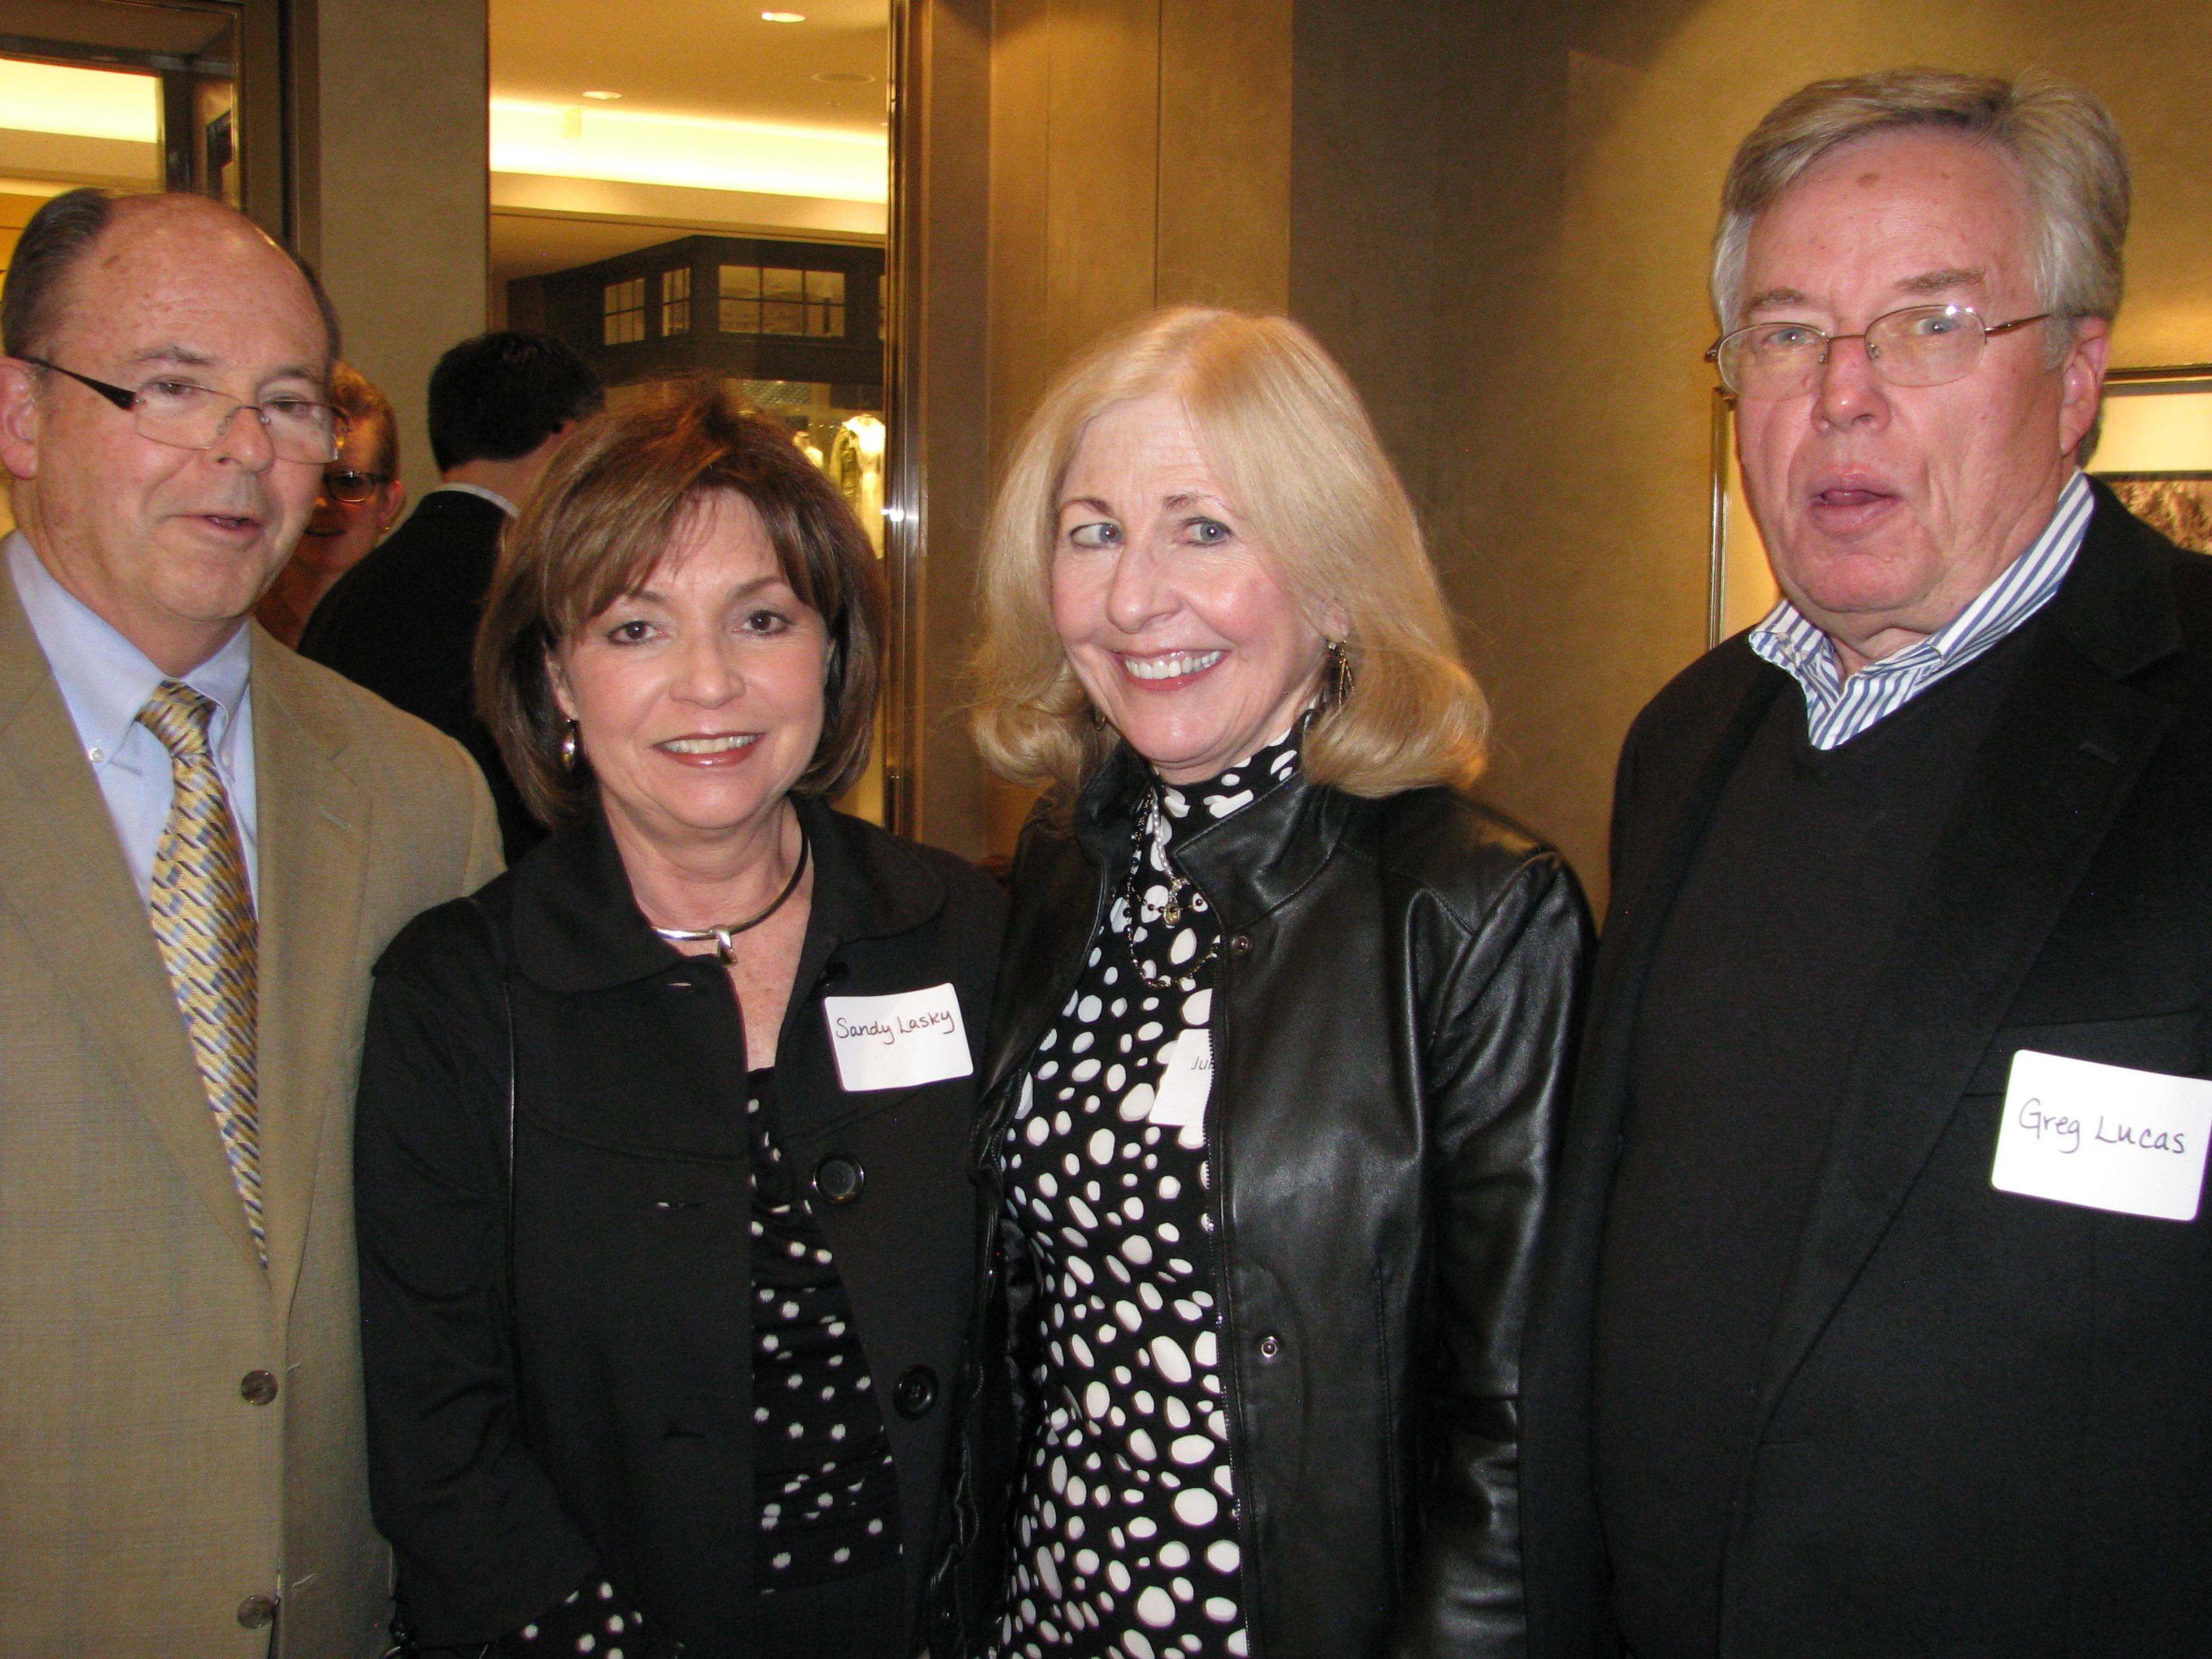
[1921,345]
[195,417]
[352,488]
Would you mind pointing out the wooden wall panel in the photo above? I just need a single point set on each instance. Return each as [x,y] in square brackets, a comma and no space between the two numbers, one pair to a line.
[1102,186]
[1225,154]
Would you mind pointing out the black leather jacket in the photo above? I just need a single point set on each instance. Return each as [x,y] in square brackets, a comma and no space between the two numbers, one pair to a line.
[1393,1024]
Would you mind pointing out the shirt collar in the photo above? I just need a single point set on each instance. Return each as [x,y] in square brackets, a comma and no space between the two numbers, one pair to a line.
[105,679]
[491,495]
[1787,638]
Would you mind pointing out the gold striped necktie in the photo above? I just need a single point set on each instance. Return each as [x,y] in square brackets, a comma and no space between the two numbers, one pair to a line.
[203,915]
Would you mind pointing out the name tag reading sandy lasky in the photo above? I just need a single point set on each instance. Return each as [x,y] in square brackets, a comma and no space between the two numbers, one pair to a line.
[2106,1137]
[898,1041]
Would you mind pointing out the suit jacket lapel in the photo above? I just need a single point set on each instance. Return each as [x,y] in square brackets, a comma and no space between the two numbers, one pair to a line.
[2057,768]
[313,835]
[62,871]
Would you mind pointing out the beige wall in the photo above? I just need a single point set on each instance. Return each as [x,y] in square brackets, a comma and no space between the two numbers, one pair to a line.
[393,187]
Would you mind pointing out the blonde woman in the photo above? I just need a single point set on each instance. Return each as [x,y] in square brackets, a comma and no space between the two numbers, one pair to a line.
[1282,1034]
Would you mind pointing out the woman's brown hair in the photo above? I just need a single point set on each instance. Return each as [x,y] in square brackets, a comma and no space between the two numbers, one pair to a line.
[602,518]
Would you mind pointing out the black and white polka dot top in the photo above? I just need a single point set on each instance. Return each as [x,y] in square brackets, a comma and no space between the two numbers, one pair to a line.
[822,1475]
[1125,1543]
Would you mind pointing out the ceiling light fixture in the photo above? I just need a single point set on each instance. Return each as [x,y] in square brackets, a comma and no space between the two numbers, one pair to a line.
[603,97]
[640,147]
[783,17]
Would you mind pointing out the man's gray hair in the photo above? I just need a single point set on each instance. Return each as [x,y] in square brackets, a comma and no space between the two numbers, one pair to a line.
[2069,154]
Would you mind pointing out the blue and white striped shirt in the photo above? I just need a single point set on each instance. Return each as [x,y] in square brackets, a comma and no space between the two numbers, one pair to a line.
[1836,710]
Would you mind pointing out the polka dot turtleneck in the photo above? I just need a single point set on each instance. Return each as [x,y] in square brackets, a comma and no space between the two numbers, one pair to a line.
[1125,1543]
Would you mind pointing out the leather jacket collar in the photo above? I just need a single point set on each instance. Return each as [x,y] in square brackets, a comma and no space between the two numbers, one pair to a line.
[1247,864]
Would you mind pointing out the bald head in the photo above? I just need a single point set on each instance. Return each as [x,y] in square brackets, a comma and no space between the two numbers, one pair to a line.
[64,234]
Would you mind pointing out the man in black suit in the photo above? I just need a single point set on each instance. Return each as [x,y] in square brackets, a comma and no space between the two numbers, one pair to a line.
[403,621]
[1876,1317]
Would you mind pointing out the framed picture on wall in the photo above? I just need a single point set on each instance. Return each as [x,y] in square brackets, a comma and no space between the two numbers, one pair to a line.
[2156,448]
[1740,582]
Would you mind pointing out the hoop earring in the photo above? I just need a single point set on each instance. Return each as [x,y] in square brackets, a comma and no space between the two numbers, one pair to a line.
[569,746]
[1337,678]
[1097,718]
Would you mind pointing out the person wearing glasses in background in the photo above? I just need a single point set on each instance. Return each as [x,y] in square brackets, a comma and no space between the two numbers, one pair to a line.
[205,843]
[1873,1321]
[361,498]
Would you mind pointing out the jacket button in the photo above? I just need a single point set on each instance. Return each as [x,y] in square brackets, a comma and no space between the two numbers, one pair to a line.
[839,1177]
[915,1392]
[1241,944]
[257,1387]
[1269,1347]
[257,1612]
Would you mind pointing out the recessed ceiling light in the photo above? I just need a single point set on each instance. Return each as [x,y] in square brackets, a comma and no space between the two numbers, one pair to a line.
[843,78]
[783,17]
[603,97]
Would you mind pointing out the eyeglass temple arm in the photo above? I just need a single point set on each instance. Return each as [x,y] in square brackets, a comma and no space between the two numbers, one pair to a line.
[122,399]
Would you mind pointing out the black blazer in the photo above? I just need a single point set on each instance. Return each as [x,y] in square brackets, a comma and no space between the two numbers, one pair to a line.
[616,1437]
[403,622]
[1985,1426]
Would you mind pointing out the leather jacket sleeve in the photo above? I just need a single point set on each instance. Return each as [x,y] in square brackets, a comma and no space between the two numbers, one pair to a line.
[1500,1016]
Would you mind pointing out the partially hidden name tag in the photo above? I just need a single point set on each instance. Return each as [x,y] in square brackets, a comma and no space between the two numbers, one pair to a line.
[2106,1137]
[1180,1102]
[899,1040]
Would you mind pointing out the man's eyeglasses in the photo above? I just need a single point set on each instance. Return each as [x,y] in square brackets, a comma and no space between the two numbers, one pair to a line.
[189,416]
[352,486]
[1920,345]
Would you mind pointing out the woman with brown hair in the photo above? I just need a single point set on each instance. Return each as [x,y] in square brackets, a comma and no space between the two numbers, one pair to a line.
[664,1233]
[1283,1033]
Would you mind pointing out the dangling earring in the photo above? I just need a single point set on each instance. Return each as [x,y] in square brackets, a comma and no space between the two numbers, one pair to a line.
[1337,678]
[1097,718]
[568,747]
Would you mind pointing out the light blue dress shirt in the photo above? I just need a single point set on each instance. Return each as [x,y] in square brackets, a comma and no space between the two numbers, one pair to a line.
[105,680]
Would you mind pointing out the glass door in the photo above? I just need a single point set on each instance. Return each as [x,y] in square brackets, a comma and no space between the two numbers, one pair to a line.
[706,190]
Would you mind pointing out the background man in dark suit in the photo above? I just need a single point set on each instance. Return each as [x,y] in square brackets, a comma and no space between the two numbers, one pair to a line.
[403,619]
[1863,1330]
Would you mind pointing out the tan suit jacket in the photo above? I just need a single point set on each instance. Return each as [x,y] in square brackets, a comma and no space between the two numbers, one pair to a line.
[142,1495]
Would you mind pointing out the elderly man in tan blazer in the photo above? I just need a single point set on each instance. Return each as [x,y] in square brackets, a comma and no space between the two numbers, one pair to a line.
[204,843]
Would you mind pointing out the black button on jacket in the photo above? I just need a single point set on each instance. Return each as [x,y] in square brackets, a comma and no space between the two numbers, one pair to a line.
[615,1436]
[1391,1044]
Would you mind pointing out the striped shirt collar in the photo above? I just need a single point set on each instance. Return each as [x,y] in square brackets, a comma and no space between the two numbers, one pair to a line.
[1837,710]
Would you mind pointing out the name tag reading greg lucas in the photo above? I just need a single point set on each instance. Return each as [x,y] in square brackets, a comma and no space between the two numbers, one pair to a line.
[2105,1137]
[900,1041]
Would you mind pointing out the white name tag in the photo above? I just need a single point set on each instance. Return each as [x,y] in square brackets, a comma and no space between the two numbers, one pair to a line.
[899,1040]
[2106,1137]
[1180,1102]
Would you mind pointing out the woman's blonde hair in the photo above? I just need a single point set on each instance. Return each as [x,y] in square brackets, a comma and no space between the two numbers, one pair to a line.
[1285,432]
